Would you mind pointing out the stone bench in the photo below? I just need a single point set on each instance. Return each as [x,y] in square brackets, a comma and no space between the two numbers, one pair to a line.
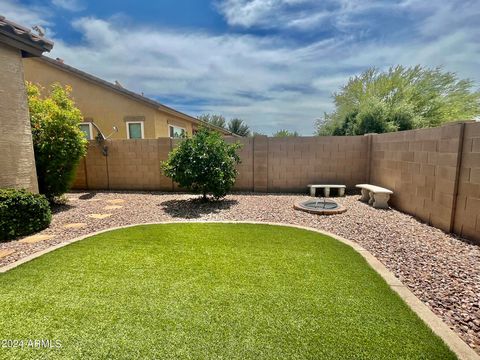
[375,195]
[326,189]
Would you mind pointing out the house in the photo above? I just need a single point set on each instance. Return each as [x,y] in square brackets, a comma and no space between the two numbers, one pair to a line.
[108,105]
[17,161]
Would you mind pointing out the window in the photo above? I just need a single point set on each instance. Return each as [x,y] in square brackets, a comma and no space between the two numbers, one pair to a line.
[135,130]
[176,132]
[86,128]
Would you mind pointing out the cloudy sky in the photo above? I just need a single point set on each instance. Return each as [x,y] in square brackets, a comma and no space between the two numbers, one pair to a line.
[274,63]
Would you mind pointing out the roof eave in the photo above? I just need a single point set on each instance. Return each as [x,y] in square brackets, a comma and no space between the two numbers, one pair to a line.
[22,38]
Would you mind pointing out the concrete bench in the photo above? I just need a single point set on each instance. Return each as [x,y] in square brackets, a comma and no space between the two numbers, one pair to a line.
[375,195]
[326,189]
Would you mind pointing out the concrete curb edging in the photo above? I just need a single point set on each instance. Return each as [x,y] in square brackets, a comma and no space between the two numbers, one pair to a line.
[451,339]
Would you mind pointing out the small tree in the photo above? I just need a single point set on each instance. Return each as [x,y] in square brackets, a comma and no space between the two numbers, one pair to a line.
[58,141]
[285,133]
[204,164]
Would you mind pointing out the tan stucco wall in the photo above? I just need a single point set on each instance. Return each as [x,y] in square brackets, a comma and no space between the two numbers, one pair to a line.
[162,120]
[17,162]
[105,107]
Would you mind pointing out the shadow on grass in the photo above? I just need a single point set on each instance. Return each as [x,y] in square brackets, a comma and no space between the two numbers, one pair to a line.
[195,208]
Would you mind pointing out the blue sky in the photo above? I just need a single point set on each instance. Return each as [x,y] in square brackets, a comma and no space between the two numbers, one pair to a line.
[273,63]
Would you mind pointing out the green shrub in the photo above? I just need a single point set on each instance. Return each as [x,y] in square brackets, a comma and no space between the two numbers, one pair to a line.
[204,164]
[58,142]
[22,213]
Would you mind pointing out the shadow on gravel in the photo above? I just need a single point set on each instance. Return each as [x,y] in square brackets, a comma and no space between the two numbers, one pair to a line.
[58,208]
[87,196]
[195,208]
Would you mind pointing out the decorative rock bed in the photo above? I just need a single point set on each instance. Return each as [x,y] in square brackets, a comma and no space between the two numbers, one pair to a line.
[442,270]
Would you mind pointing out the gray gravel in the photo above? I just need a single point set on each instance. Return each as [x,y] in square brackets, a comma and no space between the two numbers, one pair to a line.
[442,270]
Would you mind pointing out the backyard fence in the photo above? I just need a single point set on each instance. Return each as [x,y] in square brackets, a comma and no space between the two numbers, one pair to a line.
[434,173]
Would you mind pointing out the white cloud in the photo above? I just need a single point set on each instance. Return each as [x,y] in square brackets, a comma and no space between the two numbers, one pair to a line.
[266,80]
[299,14]
[267,13]
[70,5]
[24,15]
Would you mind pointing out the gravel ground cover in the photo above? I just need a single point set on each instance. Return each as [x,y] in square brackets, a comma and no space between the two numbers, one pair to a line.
[442,270]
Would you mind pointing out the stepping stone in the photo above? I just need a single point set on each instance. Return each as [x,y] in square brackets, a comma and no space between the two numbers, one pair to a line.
[99,216]
[116,201]
[35,238]
[6,252]
[74,225]
[112,207]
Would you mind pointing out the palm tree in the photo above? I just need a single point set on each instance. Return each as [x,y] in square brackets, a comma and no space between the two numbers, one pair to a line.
[238,126]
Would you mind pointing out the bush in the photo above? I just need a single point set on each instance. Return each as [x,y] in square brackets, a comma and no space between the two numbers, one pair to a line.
[22,213]
[58,141]
[204,164]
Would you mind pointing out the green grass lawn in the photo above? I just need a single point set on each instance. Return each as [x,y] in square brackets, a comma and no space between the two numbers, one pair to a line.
[203,291]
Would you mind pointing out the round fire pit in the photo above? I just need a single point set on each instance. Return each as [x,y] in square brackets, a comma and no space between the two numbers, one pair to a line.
[320,207]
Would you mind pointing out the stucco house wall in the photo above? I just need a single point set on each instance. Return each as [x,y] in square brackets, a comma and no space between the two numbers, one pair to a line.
[17,161]
[104,105]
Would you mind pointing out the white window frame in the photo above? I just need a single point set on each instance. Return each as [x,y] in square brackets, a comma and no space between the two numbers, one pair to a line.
[127,123]
[90,129]
[178,127]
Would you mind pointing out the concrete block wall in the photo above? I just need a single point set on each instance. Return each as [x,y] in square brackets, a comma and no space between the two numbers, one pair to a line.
[267,164]
[467,216]
[420,167]
[80,181]
[295,162]
[96,168]
[244,180]
[434,173]
[133,164]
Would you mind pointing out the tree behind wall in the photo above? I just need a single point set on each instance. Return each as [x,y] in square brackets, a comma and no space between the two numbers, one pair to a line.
[400,99]
[285,133]
[58,142]
[238,126]
[215,120]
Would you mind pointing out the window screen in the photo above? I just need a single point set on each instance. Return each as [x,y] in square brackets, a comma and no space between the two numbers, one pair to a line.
[135,130]
[176,132]
[86,130]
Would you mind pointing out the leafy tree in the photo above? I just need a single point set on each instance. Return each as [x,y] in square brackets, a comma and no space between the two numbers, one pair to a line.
[238,126]
[400,99]
[204,164]
[255,133]
[285,133]
[58,142]
[215,120]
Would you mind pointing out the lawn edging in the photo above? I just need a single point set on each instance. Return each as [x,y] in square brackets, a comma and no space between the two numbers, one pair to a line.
[450,338]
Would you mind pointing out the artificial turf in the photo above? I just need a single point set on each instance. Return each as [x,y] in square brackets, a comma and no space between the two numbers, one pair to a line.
[203,291]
